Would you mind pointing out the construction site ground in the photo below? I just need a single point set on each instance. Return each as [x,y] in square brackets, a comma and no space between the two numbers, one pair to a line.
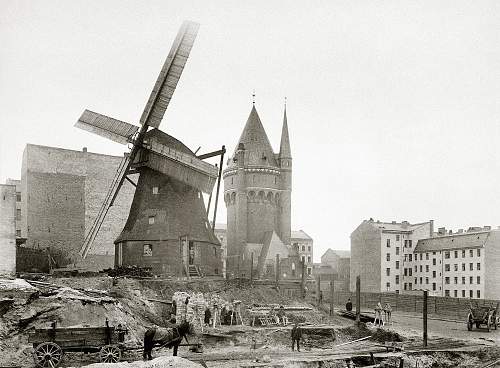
[140,303]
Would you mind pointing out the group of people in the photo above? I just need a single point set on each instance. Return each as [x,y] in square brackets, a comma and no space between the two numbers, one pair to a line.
[279,316]
[386,309]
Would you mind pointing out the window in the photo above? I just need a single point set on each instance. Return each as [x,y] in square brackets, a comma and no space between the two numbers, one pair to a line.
[463,266]
[397,265]
[303,258]
[303,248]
[471,280]
[405,257]
[456,255]
[388,271]
[471,253]
[415,268]
[478,280]
[434,261]
[151,220]
[421,268]
[446,280]
[455,292]
[18,196]
[18,214]
[308,248]
[397,251]
[397,237]
[397,279]
[478,266]
[421,256]
[447,267]
[406,243]
[409,271]
[410,286]
[463,293]
[388,243]
[18,233]
[155,190]
[471,293]
[404,286]
[455,267]
[406,272]
[446,254]
[410,257]
[434,286]
[215,252]
[463,280]
[409,244]
[471,266]
[455,279]
[147,250]
[421,281]
[479,254]
[427,281]
[446,293]
[388,285]
[426,256]
[434,274]
[309,271]
[308,259]
[478,294]
[388,256]
[463,254]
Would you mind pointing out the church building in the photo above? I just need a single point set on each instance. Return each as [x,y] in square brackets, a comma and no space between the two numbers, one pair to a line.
[257,193]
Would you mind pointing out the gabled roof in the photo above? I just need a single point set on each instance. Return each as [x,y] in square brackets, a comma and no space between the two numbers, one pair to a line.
[258,149]
[455,241]
[340,253]
[285,151]
[395,226]
[300,234]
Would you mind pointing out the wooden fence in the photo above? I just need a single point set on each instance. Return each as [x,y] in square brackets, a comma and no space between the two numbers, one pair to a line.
[454,308]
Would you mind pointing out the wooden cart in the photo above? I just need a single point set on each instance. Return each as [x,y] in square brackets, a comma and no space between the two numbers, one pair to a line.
[50,344]
[482,315]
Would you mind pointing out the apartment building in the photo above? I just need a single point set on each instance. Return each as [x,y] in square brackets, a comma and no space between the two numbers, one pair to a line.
[382,254]
[303,243]
[459,265]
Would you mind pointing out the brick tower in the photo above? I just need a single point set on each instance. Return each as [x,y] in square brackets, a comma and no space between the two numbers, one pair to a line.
[257,193]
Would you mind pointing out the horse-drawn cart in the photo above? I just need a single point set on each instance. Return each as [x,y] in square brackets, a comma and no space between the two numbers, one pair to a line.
[482,315]
[50,344]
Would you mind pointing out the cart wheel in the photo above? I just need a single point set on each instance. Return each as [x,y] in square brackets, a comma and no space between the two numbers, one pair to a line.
[110,354]
[478,324]
[48,355]
[469,323]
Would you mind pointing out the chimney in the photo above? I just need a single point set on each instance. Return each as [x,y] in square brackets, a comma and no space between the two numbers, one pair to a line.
[394,222]
[442,231]
[450,232]
[460,231]
[431,228]
[84,149]
[487,227]
[405,224]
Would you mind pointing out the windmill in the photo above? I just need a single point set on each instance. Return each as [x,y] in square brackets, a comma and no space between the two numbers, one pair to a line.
[167,228]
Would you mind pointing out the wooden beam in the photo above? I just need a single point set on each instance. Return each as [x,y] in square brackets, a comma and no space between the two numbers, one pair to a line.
[211,154]
[358,298]
[131,181]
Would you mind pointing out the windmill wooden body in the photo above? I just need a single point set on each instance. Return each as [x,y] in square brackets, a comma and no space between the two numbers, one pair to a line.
[167,228]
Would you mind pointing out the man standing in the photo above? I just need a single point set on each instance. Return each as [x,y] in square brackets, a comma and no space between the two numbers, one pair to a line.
[296,336]
[348,305]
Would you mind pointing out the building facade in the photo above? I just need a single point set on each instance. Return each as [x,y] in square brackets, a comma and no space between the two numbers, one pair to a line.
[61,193]
[7,229]
[381,251]
[17,184]
[304,246]
[257,194]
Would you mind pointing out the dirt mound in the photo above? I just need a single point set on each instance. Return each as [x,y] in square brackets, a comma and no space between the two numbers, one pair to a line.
[161,362]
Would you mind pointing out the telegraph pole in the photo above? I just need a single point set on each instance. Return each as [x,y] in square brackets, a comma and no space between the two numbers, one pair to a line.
[358,299]
[424,311]
[332,290]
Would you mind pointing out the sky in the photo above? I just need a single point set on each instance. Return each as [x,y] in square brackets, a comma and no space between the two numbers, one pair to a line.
[393,106]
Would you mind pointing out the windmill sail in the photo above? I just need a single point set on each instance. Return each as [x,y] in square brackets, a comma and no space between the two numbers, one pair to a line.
[116,130]
[169,76]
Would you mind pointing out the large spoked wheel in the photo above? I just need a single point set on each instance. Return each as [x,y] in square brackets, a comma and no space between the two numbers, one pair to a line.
[48,355]
[110,354]
[469,323]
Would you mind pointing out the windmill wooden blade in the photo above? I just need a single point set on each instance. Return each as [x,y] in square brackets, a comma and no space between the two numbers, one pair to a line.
[169,76]
[116,130]
[181,166]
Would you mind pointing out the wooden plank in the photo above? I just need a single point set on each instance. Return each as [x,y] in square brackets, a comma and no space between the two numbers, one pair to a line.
[107,127]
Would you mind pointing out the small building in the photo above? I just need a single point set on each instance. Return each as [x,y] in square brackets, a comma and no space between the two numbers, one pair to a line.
[303,244]
[17,184]
[7,229]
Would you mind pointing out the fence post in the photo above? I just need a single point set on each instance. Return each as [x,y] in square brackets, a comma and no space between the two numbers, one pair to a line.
[278,270]
[358,299]
[424,310]
[332,291]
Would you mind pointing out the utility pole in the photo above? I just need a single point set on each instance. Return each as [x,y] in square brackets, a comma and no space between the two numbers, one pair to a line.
[424,311]
[358,299]
[303,282]
[318,291]
[332,290]
[278,270]
[251,269]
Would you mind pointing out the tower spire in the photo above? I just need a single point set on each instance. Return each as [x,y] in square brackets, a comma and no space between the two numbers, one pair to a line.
[285,151]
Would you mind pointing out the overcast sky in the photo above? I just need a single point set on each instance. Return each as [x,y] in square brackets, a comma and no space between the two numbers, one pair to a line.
[393,106]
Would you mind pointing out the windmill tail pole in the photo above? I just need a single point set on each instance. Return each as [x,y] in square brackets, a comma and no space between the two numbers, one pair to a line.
[218,184]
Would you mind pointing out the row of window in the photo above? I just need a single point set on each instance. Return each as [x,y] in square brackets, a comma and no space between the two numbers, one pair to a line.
[447,267]
[471,280]
[303,259]
[447,254]
[471,293]
[407,244]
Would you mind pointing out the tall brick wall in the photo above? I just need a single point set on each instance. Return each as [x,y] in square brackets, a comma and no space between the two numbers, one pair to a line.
[7,229]
[492,266]
[365,257]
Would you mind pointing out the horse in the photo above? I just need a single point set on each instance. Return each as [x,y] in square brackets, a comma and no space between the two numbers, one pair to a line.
[165,337]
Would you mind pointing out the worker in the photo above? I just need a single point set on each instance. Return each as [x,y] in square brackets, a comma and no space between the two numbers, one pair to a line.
[388,313]
[378,315]
[281,315]
[320,297]
[208,315]
[296,336]
[348,305]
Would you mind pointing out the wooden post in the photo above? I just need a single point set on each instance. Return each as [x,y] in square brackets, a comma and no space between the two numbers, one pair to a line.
[251,269]
[318,291]
[277,270]
[218,185]
[358,299]
[332,290]
[303,282]
[424,311]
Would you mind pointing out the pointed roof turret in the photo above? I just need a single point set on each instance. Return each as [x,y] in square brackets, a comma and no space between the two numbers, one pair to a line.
[258,149]
[285,151]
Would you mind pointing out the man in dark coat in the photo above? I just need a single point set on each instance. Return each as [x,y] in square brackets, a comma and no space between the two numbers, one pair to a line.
[296,336]
[348,305]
